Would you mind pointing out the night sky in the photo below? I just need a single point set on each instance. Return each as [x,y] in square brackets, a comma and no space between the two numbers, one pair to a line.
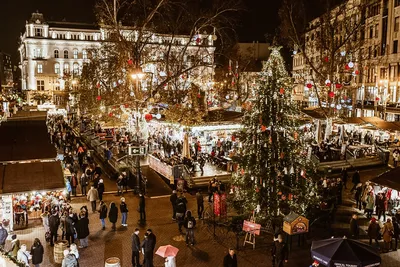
[260,18]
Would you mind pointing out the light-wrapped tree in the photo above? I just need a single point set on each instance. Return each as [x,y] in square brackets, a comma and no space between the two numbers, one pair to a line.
[275,175]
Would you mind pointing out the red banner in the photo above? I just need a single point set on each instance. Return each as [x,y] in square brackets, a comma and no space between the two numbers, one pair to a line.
[217,204]
[250,227]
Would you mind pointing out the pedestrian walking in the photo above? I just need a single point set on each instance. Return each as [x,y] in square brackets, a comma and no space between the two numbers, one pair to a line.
[124,212]
[3,235]
[380,204]
[142,208]
[373,231]
[369,206]
[54,223]
[181,211]
[93,196]
[84,183]
[120,185]
[396,156]
[100,189]
[173,199]
[103,214]
[280,252]
[74,184]
[37,252]
[189,225]
[113,215]
[82,230]
[354,227]
[230,260]
[23,256]
[355,180]
[148,245]
[200,204]
[357,196]
[135,248]
[387,234]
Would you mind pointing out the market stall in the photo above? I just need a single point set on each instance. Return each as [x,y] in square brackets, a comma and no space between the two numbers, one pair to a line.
[388,183]
[27,188]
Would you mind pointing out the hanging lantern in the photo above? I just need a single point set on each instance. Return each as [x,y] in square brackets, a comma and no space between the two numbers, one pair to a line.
[331,94]
[148,117]
[309,85]
[98,98]
[328,83]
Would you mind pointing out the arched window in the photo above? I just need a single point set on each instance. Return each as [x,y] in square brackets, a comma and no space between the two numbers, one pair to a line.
[57,68]
[56,54]
[65,53]
[75,53]
[76,68]
[84,54]
[66,68]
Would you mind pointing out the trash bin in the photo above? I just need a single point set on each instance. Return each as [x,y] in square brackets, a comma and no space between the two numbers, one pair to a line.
[59,247]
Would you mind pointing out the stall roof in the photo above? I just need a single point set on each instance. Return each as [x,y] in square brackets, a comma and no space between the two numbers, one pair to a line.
[25,140]
[29,115]
[354,120]
[222,115]
[26,177]
[389,179]
[315,113]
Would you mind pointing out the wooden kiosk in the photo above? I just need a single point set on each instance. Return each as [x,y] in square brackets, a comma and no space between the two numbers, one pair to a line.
[295,224]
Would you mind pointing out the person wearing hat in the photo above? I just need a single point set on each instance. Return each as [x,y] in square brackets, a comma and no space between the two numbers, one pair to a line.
[373,231]
[124,212]
[100,189]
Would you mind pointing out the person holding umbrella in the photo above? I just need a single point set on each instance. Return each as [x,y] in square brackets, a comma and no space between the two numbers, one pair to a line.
[169,253]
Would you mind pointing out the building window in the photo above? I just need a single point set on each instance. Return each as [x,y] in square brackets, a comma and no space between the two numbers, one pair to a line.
[396,24]
[395,46]
[75,53]
[37,53]
[39,68]
[84,54]
[56,54]
[376,30]
[396,3]
[65,53]
[57,68]
[40,85]
[371,32]
[38,32]
[66,68]
[76,68]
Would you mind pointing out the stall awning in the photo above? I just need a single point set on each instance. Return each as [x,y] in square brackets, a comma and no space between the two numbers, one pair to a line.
[315,113]
[389,179]
[354,120]
[25,140]
[27,177]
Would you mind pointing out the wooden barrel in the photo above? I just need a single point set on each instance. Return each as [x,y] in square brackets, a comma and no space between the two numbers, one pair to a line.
[112,262]
[59,247]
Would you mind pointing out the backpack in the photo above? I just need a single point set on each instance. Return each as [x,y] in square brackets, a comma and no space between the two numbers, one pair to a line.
[190,224]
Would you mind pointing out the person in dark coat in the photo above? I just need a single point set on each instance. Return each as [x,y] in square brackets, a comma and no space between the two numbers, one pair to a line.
[357,196]
[380,206]
[148,245]
[173,199]
[82,230]
[37,252]
[396,232]
[113,214]
[280,252]
[142,208]
[135,248]
[54,223]
[103,214]
[200,204]
[69,229]
[230,260]
[373,231]
[100,189]
[354,227]
[180,210]
[355,180]
[124,212]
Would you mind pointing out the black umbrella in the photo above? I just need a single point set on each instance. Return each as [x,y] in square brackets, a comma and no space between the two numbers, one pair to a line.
[337,252]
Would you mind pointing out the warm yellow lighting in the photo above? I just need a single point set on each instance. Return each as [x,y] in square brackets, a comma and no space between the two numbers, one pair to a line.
[134,76]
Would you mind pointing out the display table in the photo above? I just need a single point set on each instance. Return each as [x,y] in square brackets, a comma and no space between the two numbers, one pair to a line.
[4,262]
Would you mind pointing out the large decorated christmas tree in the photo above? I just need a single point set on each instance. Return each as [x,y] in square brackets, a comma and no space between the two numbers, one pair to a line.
[275,175]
